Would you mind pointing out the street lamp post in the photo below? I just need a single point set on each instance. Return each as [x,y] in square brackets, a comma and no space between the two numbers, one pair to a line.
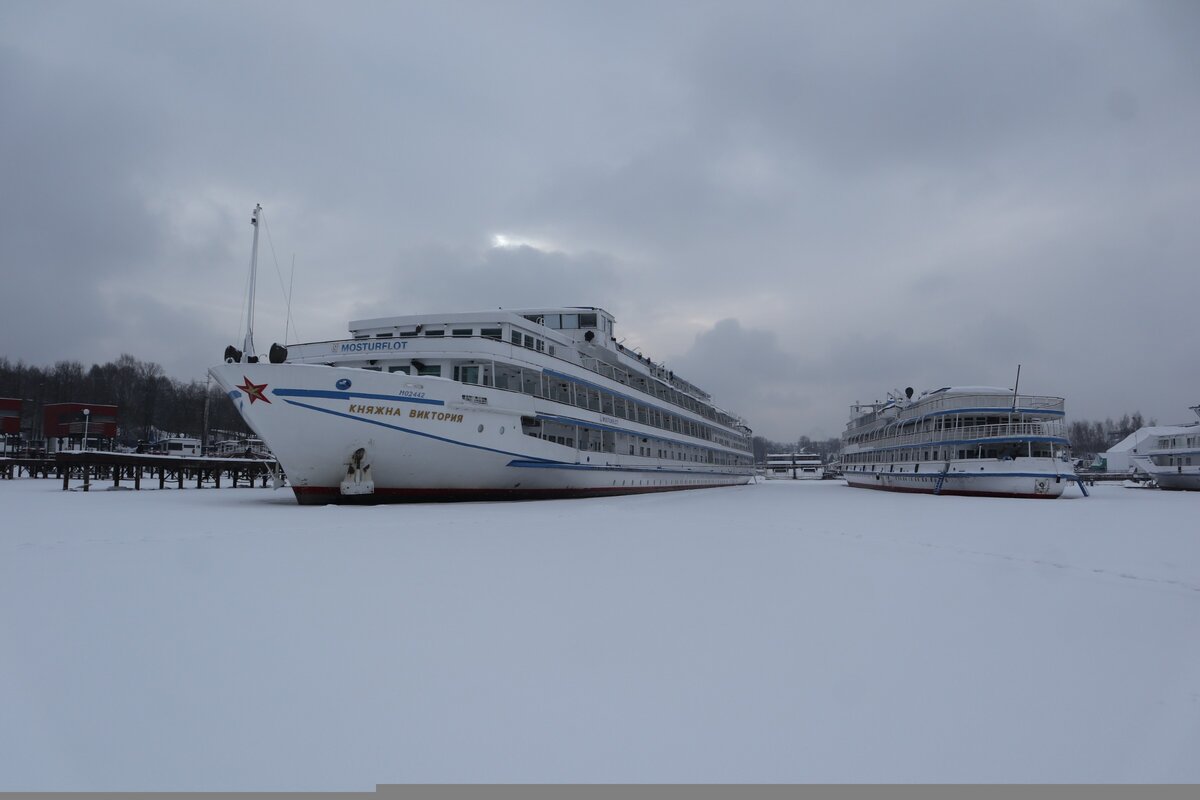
[87,414]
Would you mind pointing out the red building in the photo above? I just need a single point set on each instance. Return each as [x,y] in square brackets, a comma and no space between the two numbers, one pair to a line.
[64,425]
[10,416]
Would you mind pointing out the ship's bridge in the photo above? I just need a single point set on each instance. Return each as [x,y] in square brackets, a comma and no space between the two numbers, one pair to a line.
[580,324]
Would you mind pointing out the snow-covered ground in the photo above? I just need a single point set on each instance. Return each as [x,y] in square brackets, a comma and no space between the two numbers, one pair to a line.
[785,631]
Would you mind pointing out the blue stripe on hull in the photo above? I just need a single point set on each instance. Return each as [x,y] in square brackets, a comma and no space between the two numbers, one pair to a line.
[326,394]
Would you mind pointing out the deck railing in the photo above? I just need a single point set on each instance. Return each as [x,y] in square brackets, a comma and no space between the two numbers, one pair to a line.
[995,403]
[990,401]
[1015,430]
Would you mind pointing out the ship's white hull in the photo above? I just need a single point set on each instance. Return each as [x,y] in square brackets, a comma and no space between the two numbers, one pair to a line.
[1185,478]
[800,475]
[432,439]
[1024,477]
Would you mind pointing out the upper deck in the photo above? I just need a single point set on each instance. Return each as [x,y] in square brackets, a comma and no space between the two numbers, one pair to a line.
[559,343]
[952,400]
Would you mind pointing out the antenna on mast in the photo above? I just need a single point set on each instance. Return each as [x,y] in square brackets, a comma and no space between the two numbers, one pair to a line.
[1015,386]
[248,354]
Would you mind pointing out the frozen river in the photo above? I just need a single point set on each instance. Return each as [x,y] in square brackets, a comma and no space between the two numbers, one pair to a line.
[779,632]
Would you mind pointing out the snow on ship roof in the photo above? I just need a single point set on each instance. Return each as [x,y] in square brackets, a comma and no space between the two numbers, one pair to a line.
[1134,439]
[969,390]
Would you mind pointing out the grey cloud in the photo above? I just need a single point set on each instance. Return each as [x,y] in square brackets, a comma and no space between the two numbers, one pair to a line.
[868,194]
[441,279]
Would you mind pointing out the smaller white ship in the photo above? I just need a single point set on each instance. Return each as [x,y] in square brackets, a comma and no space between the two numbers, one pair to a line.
[966,440]
[1172,458]
[794,466]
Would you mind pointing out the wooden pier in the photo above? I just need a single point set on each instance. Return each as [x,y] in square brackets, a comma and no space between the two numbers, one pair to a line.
[132,469]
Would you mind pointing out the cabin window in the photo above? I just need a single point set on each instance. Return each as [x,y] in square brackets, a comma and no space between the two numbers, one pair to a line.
[467,374]
[490,333]
[515,338]
[435,333]
[541,346]
[529,341]
[398,369]
[407,334]
[386,335]
[461,332]
[432,370]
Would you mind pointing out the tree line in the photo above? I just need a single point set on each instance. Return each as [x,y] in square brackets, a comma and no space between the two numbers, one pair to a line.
[1089,438]
[149,404]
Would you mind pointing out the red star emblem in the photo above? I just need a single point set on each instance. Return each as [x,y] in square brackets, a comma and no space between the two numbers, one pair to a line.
[254,390]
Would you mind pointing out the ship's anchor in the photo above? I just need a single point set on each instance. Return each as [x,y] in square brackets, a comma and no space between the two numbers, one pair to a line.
[358,475]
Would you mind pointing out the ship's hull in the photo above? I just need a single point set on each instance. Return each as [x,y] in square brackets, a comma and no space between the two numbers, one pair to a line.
[432,439]
[798,476]
[1174,478]
[1038,478]
[1178,481]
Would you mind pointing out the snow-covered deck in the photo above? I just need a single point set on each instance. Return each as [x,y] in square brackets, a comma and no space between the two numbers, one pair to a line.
[784,631]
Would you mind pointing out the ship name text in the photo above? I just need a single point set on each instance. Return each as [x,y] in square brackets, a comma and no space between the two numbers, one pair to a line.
[370,347]
[413,413]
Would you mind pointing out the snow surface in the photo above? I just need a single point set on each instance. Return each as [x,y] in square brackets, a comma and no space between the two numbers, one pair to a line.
[785,631]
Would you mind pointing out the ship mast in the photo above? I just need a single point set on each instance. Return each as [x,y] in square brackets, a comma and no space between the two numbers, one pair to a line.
[248,346]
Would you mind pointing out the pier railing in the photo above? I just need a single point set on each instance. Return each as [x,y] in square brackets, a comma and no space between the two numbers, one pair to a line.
[132,468]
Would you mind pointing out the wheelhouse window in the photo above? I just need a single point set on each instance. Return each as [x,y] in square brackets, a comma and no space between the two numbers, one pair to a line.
[438,332]
[587,320]
[490,333]
[466,374]
[462,332]
[515,338]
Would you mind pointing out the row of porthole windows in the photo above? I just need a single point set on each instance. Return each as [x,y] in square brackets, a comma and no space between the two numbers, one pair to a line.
[605,441]
[522,339]
[685,482]
[1003,451]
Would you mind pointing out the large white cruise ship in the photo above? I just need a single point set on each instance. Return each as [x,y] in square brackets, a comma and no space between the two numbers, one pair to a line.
[516,404]
[498,404]
[970,440]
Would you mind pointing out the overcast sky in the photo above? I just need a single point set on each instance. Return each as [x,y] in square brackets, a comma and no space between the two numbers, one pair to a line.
[795,205]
